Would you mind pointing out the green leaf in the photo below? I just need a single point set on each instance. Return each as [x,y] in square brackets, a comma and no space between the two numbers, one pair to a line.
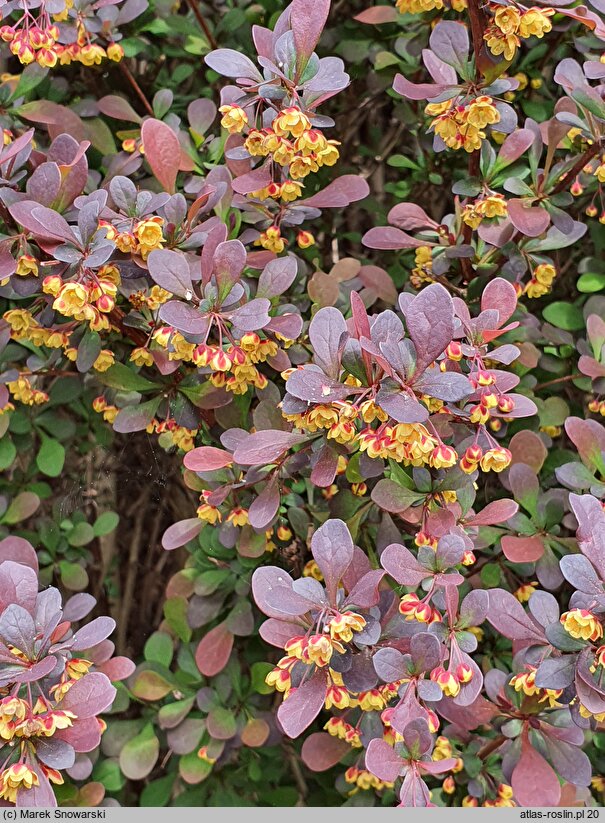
[22,507]
[400,161]
[81,535]
[564,316]
[8,452]
[490,575]
[107,772]
[73,576]
[258,672]
[150,685]
[175,612]
[105,523]
[158,792]
[591,281]
[159,649]
[139,755]
[31,76]
[51,457]
[121,377]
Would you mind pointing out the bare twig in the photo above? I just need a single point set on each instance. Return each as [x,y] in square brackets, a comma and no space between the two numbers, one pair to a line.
[568,178]
[490,747]
[557,380]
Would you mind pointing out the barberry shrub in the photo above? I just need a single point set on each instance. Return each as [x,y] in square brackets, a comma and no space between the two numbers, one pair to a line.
[345,283]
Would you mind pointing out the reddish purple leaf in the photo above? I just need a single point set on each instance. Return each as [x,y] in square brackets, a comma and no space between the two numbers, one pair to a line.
[321,751]
[332,548]
[376,15]
[508,617]
[89,696]
[383,761]
[302,705]
[182,532]
[499,511]
[207,459]
[213,650]
[118,108]
[500,295]
[265,447]
[417,91]
[389,238]
[534,782]
[339,193]
[162,151]
[529,220]
[307,21]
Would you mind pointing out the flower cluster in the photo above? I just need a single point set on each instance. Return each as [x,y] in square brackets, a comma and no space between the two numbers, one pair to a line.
[511,24]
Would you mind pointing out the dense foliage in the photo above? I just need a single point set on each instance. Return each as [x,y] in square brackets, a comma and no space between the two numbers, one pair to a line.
[302,371]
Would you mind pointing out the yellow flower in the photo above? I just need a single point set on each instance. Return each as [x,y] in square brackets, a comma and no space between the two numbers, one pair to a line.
[290,191]
[271,240]
[499,43]
[149,232]
[115,52]
[304,239]
[492,206]
[292,121]
[496,460]
[16,777]
[26,264]
[582,624]
[91,55]
[105,359]
[234,119]
[71,298]
[545,273]
[238,517]
[507,19]
[482,112]
[141,356]
[535,23]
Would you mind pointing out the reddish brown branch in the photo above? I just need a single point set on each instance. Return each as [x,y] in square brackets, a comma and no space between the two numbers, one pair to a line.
[137,89]
[568,178]
[200,19]
[557,380]
[491,747]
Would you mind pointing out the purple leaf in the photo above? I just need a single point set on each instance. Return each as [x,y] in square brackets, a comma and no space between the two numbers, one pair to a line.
[213,650]
[91,634]
[326,333]
[183,317]
[514,146]
[500,295]
[410,217]
[474,608]
[325,466]
[393,498]
[449,386]
[417,91]
[207,459]
[272,590]
[89,696]
[383,761]
[277,276]
[303,705]
[162,151]
[55,753]
[314,387]
[170,270]
[339,193]
[252,316]
[231,63]
[136,418]
[588,437]
[529,220]
[182,532]
[449,40]
[430,321]
[533,780]
[556,672]
[265,507]
[498,511]
[524,549]
[332,548]
[254,180]
[591,531]
[365,593]
[403,567]
[264,447]
[508,617]
[390,664]
[578,571]
[18,550]
[389,238]
[401,405]
[321,751]
[307,21]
